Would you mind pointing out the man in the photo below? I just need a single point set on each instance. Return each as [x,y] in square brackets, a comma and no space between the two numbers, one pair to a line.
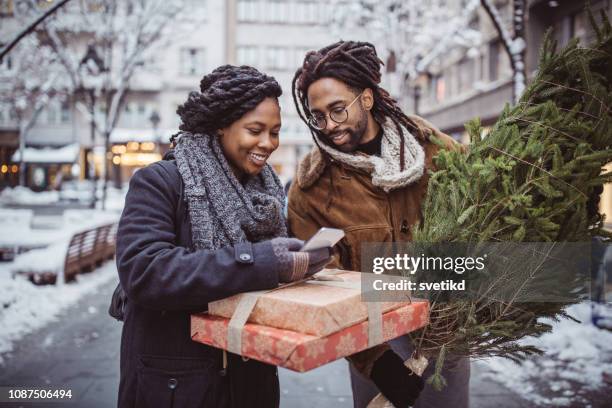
[367,175]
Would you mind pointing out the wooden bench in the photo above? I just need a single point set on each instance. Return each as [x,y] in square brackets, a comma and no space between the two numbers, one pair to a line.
[89,249]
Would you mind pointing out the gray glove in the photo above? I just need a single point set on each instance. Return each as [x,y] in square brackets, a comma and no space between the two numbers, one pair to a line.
[295,264]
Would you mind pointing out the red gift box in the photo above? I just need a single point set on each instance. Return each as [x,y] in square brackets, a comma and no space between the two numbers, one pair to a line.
[302,352]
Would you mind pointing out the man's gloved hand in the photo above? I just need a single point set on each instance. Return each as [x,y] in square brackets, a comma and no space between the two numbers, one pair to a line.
[395,381]
[295,264]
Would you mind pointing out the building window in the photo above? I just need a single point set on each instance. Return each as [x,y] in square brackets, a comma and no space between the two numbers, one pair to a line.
[276,58]
[494,60]
[304,12]
[6,8]
[52,118]
[192,61]
[247,55]
[95,6]
[65,112]
[466,75]
[142,113]
[248,10]
[7,62]
[57,113]
[437,88]
[277,11]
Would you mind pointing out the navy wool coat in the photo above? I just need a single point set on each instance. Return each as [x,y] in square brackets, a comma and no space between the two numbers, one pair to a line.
[166,280]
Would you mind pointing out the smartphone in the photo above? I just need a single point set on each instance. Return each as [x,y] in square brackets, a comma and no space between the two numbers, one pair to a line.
[325,237]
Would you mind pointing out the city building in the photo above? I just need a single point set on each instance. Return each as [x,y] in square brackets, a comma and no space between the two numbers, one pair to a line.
[270,35]
[274,36]
[463,85]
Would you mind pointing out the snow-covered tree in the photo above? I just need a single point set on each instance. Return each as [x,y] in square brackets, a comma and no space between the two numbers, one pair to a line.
[415,32]
[30,27]
[102,44]
[513,41]
[30,77]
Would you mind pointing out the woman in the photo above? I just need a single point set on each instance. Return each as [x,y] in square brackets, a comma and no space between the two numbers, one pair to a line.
[204,224]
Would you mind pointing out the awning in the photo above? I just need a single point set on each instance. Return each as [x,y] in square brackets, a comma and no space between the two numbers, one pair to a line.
[66,154]
[125,135]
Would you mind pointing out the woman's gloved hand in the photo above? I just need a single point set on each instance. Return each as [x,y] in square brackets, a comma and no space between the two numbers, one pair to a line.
[295,264]
[395,381]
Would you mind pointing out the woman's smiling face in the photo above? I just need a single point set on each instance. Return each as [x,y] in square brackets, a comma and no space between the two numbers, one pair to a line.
[248,142]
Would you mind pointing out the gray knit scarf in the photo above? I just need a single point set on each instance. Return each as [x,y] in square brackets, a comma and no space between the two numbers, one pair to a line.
[223,211]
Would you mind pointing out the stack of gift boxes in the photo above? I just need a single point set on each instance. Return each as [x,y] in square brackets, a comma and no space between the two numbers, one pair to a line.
[305,325]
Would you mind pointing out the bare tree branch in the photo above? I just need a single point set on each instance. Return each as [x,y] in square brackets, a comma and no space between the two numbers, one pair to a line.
[30,28]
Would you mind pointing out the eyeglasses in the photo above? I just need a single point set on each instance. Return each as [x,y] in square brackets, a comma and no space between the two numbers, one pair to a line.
[338,115]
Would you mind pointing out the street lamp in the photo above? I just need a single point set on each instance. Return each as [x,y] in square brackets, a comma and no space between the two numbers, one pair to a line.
[155,119]
[91,66]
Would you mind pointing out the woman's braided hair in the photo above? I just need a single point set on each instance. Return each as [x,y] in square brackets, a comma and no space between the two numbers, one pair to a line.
[226,94]
[358,66]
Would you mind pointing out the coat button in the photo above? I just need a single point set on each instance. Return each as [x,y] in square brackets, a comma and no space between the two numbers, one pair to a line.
[404,227]
[172,383]
[245,257]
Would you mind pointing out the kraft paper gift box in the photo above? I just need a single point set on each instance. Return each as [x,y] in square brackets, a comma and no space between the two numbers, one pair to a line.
[297,349]
[312,307]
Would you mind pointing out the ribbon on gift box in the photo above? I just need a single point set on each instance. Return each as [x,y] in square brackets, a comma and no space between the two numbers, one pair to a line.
[249,299]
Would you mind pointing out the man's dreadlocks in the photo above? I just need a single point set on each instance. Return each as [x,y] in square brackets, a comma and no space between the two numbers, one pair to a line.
[358,66]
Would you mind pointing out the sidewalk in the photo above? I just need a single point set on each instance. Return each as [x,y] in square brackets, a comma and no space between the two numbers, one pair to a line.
[81,352]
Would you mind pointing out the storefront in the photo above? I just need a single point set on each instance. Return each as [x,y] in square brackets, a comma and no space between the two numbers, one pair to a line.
[132,149]
[46,168]
[9,172]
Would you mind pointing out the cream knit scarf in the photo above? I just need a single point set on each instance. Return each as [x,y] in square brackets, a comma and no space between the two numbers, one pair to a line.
[385,170]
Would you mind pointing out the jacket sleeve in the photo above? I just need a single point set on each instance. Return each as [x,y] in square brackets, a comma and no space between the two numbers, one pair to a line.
[301,224]
[156,273]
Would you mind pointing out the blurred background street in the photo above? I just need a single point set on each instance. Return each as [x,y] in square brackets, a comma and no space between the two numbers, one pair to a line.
[89,96]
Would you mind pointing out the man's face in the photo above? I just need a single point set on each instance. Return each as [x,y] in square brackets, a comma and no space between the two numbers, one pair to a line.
[328,94]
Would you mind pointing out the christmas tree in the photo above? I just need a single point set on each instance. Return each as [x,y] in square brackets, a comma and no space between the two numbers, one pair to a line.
[536,177]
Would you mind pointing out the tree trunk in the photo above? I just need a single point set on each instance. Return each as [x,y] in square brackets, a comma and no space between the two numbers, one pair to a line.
[107,168]
[92,163]
[514,45]
[520,70]
[22,166]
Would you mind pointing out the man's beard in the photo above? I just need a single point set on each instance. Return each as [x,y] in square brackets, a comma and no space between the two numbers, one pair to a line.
[355,136]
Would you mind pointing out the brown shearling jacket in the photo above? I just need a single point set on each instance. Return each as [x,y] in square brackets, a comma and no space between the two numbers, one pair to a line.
[336,195]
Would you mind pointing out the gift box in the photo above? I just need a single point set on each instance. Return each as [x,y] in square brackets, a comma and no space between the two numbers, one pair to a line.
[313,307]
[301,351]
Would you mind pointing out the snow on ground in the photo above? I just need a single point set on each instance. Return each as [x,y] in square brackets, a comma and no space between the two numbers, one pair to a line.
[23,195]
[72,221]
[70,192]
[578,358]
[49,259]
[62,227]
[25,307]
